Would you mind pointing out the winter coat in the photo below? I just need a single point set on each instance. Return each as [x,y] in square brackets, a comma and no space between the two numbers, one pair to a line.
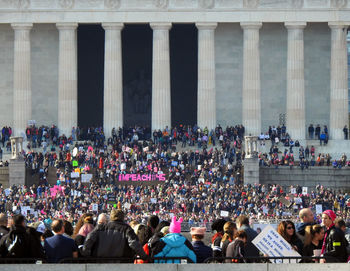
[116,239]
[174,245]
[335,246]
[202,251]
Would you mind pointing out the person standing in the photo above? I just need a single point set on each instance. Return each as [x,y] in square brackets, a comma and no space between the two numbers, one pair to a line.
[202,251]
[307,219]
[334,243]
[346,132]
[59,247]
[250,249]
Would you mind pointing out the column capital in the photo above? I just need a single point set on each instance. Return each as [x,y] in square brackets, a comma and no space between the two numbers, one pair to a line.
[160,26]
[22,26]
[113,26]
[206,26]
[66,26]
[335,25]
[251,25]
[295,25]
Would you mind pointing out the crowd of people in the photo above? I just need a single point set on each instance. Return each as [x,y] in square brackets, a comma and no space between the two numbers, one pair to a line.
[203,183]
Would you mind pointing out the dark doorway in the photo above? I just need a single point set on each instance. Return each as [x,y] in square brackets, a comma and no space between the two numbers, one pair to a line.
[91,42]
[137,75]
[183,73]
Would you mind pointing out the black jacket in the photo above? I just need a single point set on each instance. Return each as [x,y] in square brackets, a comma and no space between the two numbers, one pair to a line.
[3,231]
[116,239]
[17,239]
[335,246]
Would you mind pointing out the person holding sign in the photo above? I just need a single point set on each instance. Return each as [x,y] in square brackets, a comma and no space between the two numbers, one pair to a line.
[287,230]
[334,243]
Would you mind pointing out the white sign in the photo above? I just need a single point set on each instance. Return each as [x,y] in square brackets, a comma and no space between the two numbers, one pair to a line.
[293,190]
[304,190]
[127,205]
[122,166]
[224,213]
[95,207]
[318,209]
[85,178]
[270,242]
[74,175]
[153,200]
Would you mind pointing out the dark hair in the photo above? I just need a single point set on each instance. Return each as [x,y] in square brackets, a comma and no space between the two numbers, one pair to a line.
[18,220]
[161,225]
[153,221]
[57,225]
[282,230]
[68,228]
[310,232]
[242,220]
[47,233]
[144,233]
[340,222]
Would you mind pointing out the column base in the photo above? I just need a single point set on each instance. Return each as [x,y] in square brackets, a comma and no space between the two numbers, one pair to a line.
[251,170]
[17,172]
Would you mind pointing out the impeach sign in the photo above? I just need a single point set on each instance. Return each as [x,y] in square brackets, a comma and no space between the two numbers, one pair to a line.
[142,177]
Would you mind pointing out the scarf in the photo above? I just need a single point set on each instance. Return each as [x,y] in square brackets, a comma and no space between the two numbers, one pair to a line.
[325,237]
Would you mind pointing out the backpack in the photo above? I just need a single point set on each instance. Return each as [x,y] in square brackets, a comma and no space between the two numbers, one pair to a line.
[17,244]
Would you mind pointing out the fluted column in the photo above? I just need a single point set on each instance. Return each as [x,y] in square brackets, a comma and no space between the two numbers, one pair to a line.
[295,81]
[161,95]
[22,92]
[339,81]
[67,78]
[251,104]
[206,108]
[113,78]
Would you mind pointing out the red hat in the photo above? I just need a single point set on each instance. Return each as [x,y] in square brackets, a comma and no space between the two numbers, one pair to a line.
[330,214]
[198,231]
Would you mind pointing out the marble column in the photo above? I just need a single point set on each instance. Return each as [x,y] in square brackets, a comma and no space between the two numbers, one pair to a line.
[206,108]
[161,95]
[67,78]
[113,78]
[251,104]
[339,81]
[22,92]
[295,81]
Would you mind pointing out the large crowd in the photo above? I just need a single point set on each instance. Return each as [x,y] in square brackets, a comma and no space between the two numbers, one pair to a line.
[203,183]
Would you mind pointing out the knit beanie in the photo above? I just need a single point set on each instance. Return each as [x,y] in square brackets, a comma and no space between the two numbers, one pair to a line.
[331,214]
[175,226]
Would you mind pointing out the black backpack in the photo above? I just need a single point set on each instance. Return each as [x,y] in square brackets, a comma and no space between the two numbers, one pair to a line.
[17,244]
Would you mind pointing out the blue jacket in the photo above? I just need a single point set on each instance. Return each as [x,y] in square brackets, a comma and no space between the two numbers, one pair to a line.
[202,251]
[174,245]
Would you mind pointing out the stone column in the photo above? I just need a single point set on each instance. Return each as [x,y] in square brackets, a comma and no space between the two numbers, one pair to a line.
[113,78]
[161,95]
[67,78]
[251,104]
[206,112]
[295,81]
[339,81]
[22,92]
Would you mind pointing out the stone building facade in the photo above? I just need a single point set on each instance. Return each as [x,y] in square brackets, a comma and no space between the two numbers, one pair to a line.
[258,60]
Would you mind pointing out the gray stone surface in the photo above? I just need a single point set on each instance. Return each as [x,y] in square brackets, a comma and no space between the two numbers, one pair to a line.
[6,74]
[44,67]
[309,267]
[17,174]
[43,267]
[251,171]
[131,267]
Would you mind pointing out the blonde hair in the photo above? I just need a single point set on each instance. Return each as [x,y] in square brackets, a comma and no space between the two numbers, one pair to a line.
[310,232]
[229,230]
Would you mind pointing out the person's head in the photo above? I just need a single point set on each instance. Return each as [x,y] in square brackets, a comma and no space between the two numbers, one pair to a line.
[328,218]
[19,220]
[306,215]
[340,223]
[117,215]
[47,233]
[3,220]
[175,225]
[242,220]
[286,229]
[218,225]
[241,235]
[143,232]
[58,226]
[314,232]
[229,230]
[161,225]
[165,230]
[197,233]
[102,219]
[153,222]
[85,218]
[68,228]
[85,229]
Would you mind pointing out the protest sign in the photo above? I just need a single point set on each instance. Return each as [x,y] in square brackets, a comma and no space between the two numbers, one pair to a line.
[318,209]
[174,163]
[74,175]
[85,178]
[286,202]
[304,190]
[153,200]
[293,190]
[270,242]
[224,213]
[95,207]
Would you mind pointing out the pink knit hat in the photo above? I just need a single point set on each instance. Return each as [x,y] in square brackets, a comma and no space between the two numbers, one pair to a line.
[175,226]
[331,214]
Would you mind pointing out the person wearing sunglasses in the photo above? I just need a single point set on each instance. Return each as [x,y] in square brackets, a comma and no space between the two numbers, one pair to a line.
[287,230]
